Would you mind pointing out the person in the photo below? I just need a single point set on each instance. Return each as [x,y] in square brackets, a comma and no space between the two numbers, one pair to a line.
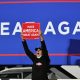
[40,59]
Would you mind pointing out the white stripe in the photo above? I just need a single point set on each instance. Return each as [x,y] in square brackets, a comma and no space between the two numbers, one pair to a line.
[74,70]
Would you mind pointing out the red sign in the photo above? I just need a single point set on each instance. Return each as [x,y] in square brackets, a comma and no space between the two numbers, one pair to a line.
[30,30]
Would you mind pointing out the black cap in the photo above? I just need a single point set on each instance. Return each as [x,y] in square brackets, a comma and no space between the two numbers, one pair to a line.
[38,48]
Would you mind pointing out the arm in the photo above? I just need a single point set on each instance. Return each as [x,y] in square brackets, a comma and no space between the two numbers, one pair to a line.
[45,52]
[43,46]
[27,51]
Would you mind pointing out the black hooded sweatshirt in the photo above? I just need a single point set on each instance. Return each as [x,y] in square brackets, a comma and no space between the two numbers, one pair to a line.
[39,72]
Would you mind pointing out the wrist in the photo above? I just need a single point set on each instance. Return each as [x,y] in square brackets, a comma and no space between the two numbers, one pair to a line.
[41,34]
[23,39]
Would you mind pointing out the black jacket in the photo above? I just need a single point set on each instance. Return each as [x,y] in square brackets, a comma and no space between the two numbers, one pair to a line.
[38,72]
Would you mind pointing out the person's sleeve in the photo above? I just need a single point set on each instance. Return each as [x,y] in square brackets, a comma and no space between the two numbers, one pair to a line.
[27,51]
[45,51]
[43,45]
